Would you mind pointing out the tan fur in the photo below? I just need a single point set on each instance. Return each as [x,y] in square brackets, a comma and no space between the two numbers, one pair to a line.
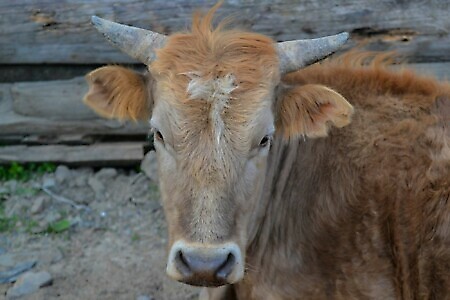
[117,92]
[308,110]
[363,213]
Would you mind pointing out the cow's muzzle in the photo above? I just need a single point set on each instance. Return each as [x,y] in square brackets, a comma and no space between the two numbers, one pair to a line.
[202,265]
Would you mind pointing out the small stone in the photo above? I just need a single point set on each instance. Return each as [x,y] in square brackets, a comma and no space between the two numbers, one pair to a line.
[62,174]
[3,190]
[38,205]
[149,166]
[48,182]
[144,297]
[79,181]
[29,283]
[52,216]
[7,260]
[97,187]
[11,186]
[11,274]
[106,174]
[40,227]
[139,187]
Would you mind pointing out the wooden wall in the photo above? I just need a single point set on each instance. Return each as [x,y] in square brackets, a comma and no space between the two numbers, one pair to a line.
[46,45]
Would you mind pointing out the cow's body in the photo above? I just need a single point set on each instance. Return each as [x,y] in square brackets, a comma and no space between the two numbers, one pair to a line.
[365,212]
[331,210]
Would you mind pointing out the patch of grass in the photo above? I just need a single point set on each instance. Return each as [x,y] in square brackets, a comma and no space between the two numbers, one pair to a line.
[154,191]
[26,191]
[29,225]
[7,224]
[24,172]
[135,237]
[58,227]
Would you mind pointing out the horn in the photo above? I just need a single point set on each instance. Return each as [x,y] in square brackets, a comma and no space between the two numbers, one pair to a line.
[294,55]
[136,42]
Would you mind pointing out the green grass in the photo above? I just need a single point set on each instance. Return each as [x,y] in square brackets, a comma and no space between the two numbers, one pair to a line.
[7,224]
[24,172]
[58,227]
[10,224]
[135,237]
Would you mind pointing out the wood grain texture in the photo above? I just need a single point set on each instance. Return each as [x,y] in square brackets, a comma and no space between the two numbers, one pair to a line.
[12,122]
[125,153]
[47,31]
[57,100]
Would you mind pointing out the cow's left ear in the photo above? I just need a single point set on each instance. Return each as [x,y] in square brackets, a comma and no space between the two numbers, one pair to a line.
[310,110]
[118,93]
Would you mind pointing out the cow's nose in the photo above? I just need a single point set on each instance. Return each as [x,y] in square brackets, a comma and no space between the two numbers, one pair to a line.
[212,265]
[205,266]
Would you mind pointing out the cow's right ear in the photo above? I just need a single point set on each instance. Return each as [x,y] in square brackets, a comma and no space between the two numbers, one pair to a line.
[119,93]
[310,110]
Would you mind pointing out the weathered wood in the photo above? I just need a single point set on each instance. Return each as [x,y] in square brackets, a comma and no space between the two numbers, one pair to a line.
[439,70]
[14,123]
[66,139]
[47,31]
[124,153]
[56,100]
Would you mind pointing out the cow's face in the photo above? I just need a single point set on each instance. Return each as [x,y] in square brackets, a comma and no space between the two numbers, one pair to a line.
[213,125]
[214,102]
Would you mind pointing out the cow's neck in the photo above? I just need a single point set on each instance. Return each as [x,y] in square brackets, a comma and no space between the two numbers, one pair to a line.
[275,220]
[288,228]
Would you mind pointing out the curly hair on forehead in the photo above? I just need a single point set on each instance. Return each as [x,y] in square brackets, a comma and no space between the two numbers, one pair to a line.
[216,51]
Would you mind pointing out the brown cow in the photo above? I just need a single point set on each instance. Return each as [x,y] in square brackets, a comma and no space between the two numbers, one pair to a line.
[265,189]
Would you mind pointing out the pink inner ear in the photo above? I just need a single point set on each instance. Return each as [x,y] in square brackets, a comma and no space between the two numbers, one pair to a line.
[309,110]
[98,97]
[320,120]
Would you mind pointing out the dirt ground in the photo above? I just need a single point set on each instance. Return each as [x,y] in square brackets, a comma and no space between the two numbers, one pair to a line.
[100,234]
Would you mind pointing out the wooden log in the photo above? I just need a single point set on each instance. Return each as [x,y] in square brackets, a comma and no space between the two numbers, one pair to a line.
[97,154]
[47,31]
[56,100]
[12,123]
[66,139]
[438,70]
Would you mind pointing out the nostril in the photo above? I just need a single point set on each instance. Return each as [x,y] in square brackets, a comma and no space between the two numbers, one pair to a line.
[182,265]
[210,265]
[226,268]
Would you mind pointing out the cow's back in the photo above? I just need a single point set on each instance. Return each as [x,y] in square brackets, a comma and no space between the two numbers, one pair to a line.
[371,201]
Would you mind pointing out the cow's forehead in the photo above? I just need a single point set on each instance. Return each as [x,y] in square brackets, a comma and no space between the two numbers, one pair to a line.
[215,113]
[250,59]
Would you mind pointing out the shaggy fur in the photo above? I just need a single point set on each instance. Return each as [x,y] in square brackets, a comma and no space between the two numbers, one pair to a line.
[117,92]
[308,110]
[363,213]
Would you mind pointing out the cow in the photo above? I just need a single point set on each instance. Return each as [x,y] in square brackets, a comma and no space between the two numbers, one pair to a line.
[285,182]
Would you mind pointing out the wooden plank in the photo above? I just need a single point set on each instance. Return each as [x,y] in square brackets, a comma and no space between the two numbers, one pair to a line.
[47,31]
[12,123]
[57,100]
[439,70]
[124,153]
[66,139]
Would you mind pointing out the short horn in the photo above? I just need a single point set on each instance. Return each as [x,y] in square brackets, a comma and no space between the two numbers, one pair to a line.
[297,54]
[136,42]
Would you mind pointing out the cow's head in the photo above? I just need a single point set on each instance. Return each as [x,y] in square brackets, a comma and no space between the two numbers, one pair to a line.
[215,102]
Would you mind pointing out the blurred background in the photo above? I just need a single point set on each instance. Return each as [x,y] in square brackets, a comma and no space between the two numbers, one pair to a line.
[79,209]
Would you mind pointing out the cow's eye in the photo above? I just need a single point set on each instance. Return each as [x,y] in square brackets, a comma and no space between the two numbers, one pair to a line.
[158,136]
[265,141]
